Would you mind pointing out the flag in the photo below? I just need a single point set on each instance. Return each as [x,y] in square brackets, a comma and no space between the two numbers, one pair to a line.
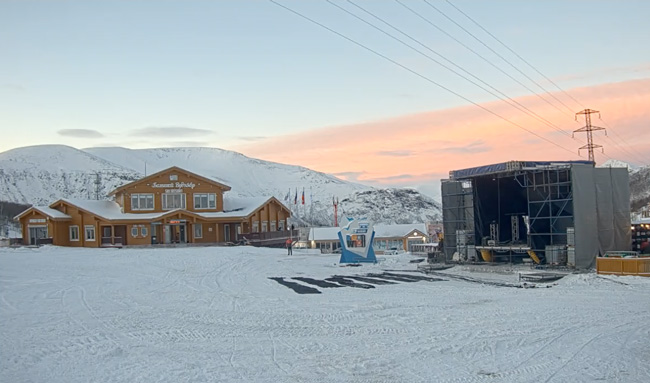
[286,197]
[295,199]
[303,196]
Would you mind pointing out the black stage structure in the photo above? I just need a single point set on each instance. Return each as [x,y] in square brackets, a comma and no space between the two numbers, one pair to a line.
[561,213]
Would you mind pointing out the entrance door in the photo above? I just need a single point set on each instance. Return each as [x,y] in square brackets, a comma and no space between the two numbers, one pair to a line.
[183,239]
[226,233]
[168,234]
[36,233]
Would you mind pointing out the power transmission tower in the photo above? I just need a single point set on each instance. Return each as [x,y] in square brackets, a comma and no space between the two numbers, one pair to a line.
[589,128]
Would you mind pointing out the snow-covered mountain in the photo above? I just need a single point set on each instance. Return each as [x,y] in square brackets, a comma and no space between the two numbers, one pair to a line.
[640,188]
[42,174]
[612,163]
[639,182]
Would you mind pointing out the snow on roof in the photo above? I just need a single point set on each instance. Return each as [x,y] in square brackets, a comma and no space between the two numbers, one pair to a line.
[641,220]
[238,207]
[48,211]
[234,207]
[324,233]
[381,231]
[399,231]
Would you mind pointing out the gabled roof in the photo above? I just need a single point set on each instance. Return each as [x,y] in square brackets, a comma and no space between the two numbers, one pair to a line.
[399,230]
[111,211]
[173,168]
[45,210]
[242,206]
[381,231]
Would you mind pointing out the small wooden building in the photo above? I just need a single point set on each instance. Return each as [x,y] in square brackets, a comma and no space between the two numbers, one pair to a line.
[398,237]
[171,206]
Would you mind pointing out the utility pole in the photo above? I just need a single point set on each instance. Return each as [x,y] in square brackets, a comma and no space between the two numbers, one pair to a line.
[97,184]
[589,128]
[335,202]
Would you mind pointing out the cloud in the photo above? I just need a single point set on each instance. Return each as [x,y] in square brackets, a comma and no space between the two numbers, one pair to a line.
[473,147]
[13,87]
[395,153]
[252,138]
[80,133]
[349,176]
[442,140]
[170,132]
[187,144]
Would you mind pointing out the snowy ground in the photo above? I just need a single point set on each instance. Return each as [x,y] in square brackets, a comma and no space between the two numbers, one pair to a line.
[213,315]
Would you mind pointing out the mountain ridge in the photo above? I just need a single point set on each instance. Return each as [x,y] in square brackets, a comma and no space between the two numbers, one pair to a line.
[42,174]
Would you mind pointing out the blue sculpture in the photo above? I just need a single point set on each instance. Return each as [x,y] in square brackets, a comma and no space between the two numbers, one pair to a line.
[356,242]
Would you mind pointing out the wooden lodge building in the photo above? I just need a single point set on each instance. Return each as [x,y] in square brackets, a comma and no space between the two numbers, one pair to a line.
[168,207]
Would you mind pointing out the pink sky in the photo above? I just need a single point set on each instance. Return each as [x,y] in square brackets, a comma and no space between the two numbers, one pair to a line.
[414,149]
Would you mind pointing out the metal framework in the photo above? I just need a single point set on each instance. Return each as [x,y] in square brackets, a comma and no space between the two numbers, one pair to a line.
[548,216]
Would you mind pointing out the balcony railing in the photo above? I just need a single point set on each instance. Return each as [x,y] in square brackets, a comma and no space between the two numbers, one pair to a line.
[268,236]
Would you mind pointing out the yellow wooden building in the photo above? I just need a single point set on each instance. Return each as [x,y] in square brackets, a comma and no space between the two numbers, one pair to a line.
[171,206]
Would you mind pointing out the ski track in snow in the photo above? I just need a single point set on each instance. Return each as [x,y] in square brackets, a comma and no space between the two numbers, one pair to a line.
[212,314]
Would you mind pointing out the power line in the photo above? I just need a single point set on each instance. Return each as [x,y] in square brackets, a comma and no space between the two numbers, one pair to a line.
[643,160]
[515,53]
[500,56]
[417,74]
[478,55]
[588,128]
[509,100]
[635,154]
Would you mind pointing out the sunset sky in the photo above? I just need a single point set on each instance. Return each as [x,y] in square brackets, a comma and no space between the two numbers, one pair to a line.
[253,77]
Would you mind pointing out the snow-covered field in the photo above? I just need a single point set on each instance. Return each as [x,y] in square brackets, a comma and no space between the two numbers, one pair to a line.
[213,315]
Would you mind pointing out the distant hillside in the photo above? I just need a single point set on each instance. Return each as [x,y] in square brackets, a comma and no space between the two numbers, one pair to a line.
[640,188]
[42,174]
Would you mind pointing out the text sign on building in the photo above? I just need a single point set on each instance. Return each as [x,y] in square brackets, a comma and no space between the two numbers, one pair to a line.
[37,220]
[174,185]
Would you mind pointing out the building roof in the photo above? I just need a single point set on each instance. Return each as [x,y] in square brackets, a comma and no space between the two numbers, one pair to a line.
[239,207]
[381,231]
[45,210]
[173,168]
[234,207]
[510,166]
[399,231]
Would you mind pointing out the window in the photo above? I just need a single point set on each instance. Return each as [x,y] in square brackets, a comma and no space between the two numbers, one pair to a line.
[281,225]
[173,201]
[134,231]
[74,233]
[265,226]
[205,201]
[90,233]
[198,230]
[256,227]
[143,231]
[173,177]
[272,225]
[141,201]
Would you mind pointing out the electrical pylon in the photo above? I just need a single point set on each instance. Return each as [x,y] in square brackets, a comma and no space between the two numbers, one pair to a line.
[589,128]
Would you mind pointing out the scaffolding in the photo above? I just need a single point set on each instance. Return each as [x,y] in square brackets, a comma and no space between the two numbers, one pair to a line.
[484,212]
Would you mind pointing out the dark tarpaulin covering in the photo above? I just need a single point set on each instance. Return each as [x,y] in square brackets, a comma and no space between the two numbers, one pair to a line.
[601,204]
[452,214]
[506,166]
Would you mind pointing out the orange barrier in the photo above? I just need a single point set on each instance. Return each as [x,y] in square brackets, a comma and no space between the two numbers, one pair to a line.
[623,266]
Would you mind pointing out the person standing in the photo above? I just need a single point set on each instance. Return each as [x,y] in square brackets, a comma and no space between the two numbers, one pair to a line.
[289,249]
